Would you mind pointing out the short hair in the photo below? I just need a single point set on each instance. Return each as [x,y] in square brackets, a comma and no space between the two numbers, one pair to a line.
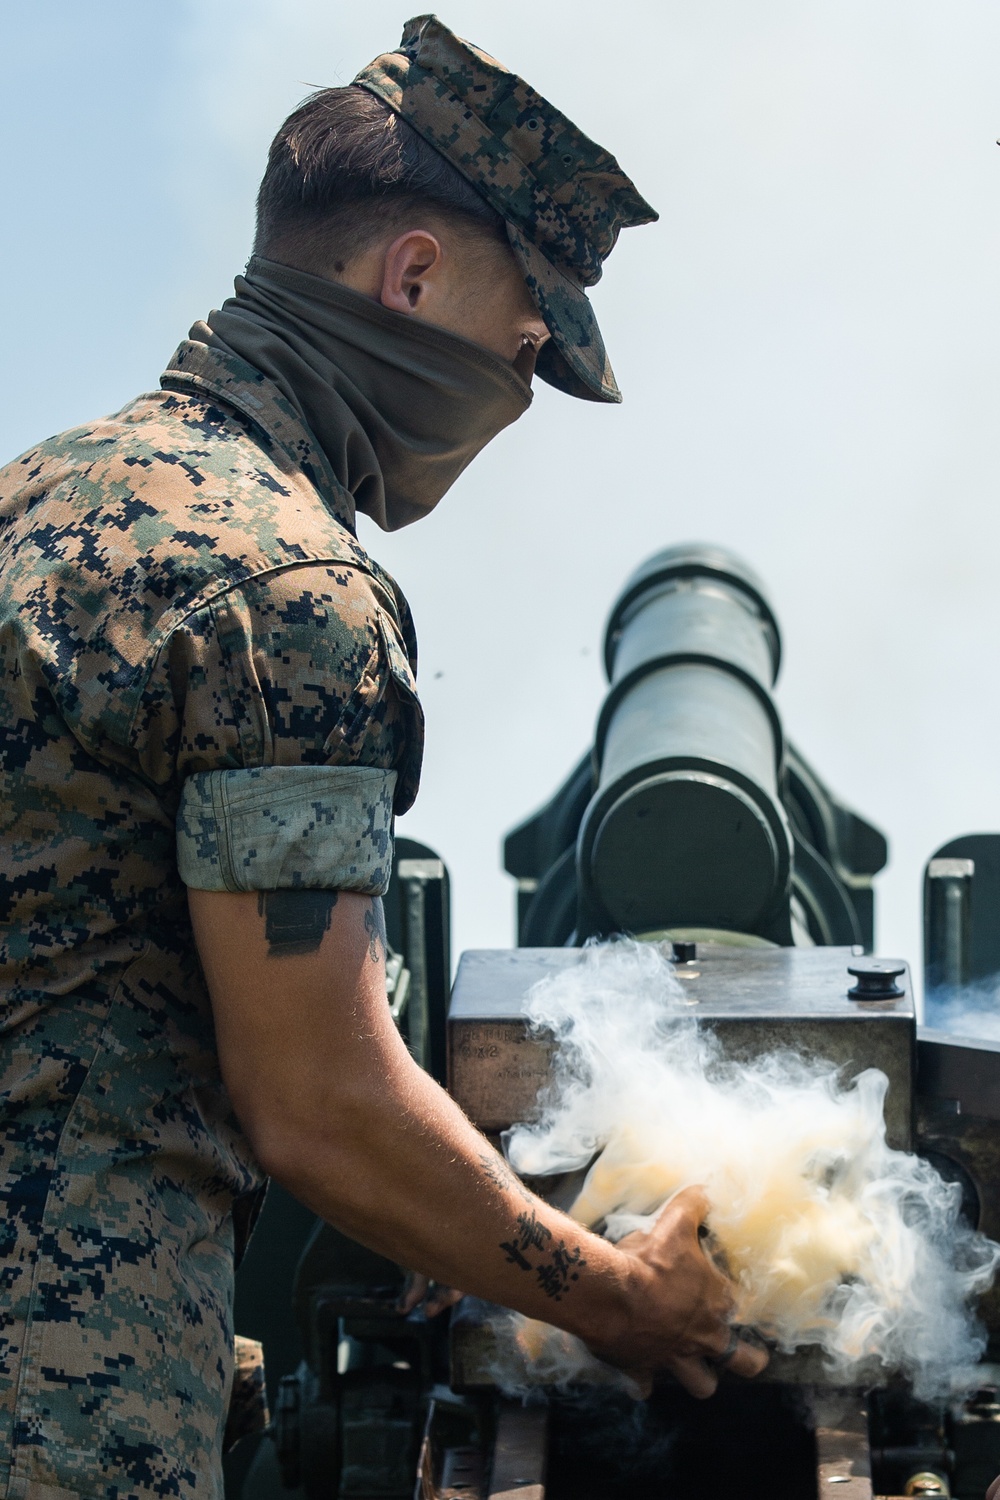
[341,169]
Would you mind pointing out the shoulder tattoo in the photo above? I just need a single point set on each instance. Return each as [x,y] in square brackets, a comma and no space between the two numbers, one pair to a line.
[375,928]
[295,921]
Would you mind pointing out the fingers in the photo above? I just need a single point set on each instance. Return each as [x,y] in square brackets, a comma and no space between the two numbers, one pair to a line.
[993,1493]
[700,1377]
[417,1286]
[733,1347]
[746,1359]
[685,1211]
[691,1203]
[687,1327]
[639,1384]
[684,1216]
[696,1376]
[440,1298]
[420,1289]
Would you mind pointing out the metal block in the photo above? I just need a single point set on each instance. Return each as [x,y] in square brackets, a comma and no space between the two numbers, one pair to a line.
[755,1000]
[843,1462]
[519,1453]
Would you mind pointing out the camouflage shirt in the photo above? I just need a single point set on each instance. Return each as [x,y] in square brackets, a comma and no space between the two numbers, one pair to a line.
[203,679]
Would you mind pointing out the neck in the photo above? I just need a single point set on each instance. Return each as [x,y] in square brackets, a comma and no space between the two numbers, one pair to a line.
[399,407]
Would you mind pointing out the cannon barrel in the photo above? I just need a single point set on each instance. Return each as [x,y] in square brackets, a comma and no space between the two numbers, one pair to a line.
[686,825]
[692,812]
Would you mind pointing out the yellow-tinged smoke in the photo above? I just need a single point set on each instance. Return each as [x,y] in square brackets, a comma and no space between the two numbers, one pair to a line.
[831,1238]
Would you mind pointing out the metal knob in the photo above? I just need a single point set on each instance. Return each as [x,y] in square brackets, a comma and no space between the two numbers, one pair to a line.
[927,1484]
[876,979]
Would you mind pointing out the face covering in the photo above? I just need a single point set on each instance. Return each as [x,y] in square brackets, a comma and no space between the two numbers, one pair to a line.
[398,406]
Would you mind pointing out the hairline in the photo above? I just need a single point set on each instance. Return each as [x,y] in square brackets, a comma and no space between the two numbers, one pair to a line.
[311,244]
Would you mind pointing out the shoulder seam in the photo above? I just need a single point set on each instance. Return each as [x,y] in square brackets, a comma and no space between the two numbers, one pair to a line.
[227,585]
[206,601]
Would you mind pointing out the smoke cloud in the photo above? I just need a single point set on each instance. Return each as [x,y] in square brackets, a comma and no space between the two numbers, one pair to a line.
[832,1238]
[971,1010]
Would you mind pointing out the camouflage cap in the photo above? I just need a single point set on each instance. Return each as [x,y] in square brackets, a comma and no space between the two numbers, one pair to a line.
[564,199]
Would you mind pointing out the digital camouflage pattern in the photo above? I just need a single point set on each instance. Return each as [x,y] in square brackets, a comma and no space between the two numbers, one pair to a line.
[181,595]
[565,199]
[322,827]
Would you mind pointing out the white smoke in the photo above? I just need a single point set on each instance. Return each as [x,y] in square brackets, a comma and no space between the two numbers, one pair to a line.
[832,1238]
[969,1010]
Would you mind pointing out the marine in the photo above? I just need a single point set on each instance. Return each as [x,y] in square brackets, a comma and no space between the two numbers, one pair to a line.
[208,722]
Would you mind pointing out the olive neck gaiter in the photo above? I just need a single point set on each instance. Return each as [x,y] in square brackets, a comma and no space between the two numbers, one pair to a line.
[399,407]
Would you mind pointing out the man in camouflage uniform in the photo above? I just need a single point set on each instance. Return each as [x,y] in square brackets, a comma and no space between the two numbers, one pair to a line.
[209,718]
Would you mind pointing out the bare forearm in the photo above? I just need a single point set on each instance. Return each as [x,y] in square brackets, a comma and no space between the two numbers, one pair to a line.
[399,1168]
[342,1116]
[338,1111]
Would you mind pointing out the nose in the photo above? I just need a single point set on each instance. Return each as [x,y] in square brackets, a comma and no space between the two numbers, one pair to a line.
[537,331]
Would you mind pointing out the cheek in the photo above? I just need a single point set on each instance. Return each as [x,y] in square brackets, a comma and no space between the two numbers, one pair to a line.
[507,306]
[497,307]
[518,318]
[498,323]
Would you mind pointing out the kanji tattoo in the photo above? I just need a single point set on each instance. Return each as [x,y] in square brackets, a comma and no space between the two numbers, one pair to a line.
[531,1235]
[559,1265]
[564,1268]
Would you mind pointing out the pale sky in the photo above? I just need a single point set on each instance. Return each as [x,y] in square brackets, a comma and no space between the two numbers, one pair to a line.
[806,342]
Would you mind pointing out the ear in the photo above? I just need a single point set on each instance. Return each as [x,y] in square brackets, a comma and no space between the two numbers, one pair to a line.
[413,266]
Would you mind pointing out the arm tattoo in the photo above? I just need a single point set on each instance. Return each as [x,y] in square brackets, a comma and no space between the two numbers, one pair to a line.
[557,1266]
[295,921]
[531,1235]
[563,1267]
[496,1170]
[375,928]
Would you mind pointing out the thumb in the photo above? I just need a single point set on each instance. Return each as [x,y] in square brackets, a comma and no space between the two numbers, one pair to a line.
[691,1204]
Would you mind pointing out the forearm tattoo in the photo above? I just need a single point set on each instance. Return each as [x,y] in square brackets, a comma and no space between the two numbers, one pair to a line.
[496,1170]
[375,928]
[295,921]
[533,1247]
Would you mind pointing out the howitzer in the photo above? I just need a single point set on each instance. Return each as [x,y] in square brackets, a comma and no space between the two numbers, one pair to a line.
[693,823]
[691,811]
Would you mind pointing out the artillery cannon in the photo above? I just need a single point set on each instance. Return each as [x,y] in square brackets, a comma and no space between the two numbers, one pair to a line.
[691,810]
[690,822]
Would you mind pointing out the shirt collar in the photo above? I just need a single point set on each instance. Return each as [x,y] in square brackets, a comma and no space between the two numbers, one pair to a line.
[196,366]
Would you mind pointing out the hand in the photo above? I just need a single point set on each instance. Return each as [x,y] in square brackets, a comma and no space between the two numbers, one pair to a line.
[993,1493]
[420,1288]
[680,1306]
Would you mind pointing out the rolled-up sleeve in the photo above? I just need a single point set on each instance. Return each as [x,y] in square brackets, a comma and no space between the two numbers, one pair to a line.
[282,717]
[277,827]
